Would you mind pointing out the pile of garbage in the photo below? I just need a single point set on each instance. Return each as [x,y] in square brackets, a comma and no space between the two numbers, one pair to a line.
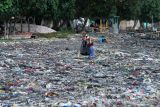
[35,28]
[42,72]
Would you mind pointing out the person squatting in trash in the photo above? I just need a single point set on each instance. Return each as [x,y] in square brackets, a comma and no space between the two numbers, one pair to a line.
[84,47]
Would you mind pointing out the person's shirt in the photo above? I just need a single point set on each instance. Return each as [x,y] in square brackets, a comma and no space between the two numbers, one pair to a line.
[90,44]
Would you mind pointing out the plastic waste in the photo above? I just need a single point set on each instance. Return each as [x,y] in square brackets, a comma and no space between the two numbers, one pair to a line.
[42,72]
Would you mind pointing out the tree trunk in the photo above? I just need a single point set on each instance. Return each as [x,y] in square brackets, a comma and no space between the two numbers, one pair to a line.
[42,22]
[21,26]
[55,25]
[141,25]
[5,28]
[68,24]
[58,24]
[28,25]
[135,23]
[62,23]
[7,33]
[9,27]
[14,28]
[34,20]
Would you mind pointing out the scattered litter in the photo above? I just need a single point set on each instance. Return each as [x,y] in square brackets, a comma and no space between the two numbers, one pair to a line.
[125,72]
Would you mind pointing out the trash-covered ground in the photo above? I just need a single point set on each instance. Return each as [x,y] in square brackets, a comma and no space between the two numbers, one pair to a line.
[41,73]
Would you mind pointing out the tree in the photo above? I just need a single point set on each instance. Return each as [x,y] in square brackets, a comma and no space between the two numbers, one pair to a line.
[145,10]
[65,12]
[5,9]
[150,8]
[92,9]
[142,10]
[5,12]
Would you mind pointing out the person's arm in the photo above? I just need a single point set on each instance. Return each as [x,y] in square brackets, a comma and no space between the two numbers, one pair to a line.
[93,39]
[90,40]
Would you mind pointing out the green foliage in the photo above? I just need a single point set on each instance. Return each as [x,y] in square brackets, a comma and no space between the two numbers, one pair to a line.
[5,9]
[139,9]
[65,10]
[5,5]
[92,8]
[51,11]
[150,8]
